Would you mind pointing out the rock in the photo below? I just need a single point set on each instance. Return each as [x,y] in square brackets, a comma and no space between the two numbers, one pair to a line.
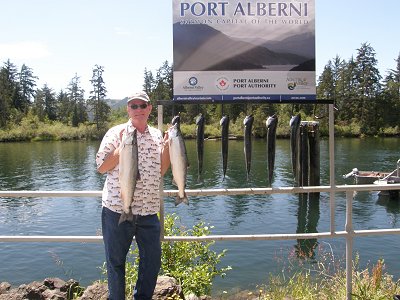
[58,289]
[49,289]
[194,297]
[4,287]
[167,287]
[96,291]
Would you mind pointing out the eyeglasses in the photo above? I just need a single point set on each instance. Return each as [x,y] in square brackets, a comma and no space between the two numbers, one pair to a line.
[136,106]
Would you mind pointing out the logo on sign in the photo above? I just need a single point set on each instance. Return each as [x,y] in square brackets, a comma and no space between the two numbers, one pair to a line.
[222,83]
[193,81]
[192,85]
[291,85]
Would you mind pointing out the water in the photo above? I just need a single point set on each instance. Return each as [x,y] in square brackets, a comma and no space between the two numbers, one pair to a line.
[70,166]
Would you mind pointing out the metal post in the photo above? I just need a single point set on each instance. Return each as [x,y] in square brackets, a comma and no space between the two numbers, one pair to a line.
[161,189]
[332,165]
[349,244]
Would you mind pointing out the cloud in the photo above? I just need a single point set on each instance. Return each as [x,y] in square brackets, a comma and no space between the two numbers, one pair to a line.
[24,50]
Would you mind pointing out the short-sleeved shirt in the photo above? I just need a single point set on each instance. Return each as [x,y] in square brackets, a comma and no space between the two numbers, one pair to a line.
[146,199]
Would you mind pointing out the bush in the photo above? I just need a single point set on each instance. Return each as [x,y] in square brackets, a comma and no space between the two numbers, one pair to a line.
[325,279]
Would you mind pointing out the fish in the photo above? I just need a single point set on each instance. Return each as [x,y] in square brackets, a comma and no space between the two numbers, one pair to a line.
[271,123]
[295,146]
[128,173]
[304,155]
[179,162]
[248,124]
[224,122]
[200,142]
[176,120]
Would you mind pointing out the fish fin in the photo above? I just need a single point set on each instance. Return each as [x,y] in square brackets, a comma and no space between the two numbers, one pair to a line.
[138,177]
[125,217]
[180,200]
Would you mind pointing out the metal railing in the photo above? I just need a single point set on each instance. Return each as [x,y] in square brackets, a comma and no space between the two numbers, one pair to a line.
[348,233]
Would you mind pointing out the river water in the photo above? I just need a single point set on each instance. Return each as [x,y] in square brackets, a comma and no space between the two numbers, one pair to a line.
[63,166]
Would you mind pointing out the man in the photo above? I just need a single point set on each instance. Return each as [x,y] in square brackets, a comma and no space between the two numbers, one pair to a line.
[153,162]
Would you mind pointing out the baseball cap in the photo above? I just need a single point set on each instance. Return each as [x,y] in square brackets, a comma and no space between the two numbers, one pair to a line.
[140,96]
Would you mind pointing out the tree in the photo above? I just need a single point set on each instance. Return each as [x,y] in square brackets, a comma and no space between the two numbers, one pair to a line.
[326,84]
[161,87]
[64,107]
[39,104]
[27,83]
[391,95]
[97,104]
[50,104]
[8,92]
[76,96]
[368,88]
[346,91]
[149,82]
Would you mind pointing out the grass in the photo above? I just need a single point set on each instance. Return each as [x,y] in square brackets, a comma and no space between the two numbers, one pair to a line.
[325,279]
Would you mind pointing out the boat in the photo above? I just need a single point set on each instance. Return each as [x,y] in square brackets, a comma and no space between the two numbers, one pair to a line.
[374,177]
[393,194]
[365,177]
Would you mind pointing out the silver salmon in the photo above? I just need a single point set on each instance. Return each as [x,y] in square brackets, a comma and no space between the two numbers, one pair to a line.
[295,147]
[271,123]
[179,162]
[128,173]
[224,122]
[200,143]
[248,125]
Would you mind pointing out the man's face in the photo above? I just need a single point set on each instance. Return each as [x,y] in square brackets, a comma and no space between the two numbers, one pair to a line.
[139,110]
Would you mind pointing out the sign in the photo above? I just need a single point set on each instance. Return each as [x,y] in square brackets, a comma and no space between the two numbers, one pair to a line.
[240,50]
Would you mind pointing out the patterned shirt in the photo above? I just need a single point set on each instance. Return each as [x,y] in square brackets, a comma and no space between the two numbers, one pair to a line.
[146,199]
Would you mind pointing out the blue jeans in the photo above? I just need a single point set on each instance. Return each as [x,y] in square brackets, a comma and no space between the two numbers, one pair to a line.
[117,241]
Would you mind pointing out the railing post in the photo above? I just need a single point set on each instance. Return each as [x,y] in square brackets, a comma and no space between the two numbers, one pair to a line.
[349,243]
[160,127]
[332,166]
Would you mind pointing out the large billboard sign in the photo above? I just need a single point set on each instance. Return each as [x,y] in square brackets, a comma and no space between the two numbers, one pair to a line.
[239,50]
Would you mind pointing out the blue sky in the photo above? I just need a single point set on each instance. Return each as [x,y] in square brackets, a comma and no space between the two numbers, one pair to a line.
[59,39]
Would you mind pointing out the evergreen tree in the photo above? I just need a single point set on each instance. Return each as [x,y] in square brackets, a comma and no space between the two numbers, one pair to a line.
[50,104]
[368,88]
[326,84]
[346,92]
[76,96]
[27,83]
[97,105]
[160,87]
[39,104]
[149,82]
[8,92]
[391,96]
[64,107]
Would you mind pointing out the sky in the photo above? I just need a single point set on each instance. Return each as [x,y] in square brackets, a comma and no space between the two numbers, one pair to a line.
[59,39]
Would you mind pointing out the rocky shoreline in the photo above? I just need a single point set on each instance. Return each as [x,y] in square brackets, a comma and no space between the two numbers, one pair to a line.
[58,289]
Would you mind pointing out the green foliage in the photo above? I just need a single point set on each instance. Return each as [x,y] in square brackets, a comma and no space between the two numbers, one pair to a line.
[32,129]
[193,264]
[326,280]
[367,105]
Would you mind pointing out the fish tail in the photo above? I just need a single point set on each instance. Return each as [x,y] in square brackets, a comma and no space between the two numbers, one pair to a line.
[180,200]
[125,217]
